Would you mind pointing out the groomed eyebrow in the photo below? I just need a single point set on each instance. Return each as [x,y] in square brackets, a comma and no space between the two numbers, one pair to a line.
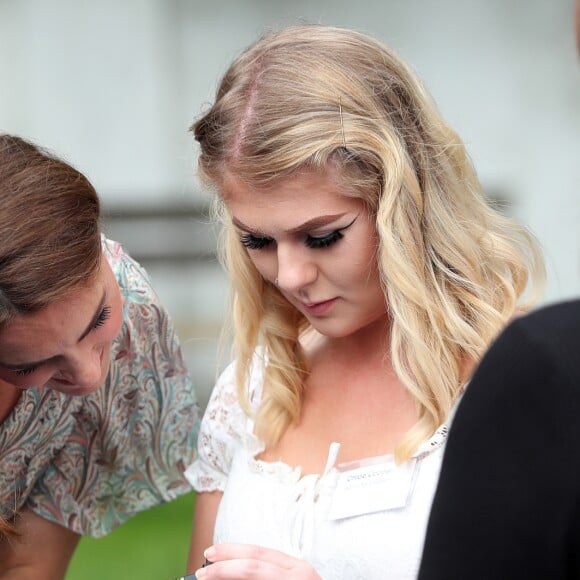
[312,224]
[83,335]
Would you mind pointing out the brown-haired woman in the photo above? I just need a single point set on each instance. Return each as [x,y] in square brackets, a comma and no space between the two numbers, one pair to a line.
[97,411]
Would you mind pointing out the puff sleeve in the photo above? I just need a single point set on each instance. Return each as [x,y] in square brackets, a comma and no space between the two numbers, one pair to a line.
[222,433]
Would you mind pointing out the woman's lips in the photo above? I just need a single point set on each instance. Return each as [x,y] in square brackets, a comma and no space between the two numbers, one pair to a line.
[319,308]
[61,381]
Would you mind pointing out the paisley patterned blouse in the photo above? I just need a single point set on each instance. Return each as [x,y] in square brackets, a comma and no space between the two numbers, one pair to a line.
[90,463]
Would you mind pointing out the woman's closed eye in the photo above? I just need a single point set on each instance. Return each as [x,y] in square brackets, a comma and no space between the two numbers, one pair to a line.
[103,316]
[258,243]
[253,242]
[316,242]
[26,371]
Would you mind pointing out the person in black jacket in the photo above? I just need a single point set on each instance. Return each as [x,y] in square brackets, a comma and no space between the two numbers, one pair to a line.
[507,504]
[508,499]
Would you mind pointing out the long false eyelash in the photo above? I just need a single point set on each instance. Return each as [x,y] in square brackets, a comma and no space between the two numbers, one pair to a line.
[26,371]
[331,238]
[104,315]
[325,241]
[253,242]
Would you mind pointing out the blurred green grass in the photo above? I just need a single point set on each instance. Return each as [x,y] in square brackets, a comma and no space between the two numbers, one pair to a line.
[151,546]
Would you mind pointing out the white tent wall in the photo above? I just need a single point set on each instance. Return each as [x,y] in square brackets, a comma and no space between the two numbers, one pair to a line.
[113,87]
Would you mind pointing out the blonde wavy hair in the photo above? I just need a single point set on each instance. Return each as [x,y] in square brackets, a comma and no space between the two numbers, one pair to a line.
[453,269]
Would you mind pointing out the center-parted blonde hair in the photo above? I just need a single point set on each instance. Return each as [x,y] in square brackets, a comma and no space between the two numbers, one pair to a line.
[453,269]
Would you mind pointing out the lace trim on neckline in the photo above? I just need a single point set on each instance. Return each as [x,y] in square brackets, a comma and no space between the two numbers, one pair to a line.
[285,473]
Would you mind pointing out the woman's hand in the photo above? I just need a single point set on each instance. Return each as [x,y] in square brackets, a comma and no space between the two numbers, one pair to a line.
[240,561]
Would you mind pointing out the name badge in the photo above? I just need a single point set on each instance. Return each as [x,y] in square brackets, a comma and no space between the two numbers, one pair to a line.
[372,485]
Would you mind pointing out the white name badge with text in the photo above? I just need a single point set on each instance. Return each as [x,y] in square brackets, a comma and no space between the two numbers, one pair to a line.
[372,485]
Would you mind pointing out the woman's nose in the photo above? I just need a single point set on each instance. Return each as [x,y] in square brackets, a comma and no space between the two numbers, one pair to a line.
[86,368]
[296,269]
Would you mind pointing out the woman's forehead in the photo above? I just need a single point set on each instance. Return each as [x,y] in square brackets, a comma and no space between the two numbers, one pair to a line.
[306,195]
[63,320]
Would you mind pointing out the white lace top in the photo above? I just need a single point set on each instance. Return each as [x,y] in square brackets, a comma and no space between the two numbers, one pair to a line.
[357,521]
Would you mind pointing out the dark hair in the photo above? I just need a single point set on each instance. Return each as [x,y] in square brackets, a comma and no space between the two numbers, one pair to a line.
[7,530]
[49,229]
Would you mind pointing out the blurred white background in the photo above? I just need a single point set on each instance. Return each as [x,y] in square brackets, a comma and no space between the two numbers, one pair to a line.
[114,85]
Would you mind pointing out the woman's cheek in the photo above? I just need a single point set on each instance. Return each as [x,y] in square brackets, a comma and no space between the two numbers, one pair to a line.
[267,268]
[116,323]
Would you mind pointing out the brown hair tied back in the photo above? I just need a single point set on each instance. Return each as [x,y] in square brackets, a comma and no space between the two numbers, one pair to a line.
[49,228]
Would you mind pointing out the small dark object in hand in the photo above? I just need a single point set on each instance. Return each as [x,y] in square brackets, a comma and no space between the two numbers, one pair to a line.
[192,576]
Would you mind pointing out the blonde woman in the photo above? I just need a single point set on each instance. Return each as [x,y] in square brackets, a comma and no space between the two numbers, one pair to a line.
[368,276]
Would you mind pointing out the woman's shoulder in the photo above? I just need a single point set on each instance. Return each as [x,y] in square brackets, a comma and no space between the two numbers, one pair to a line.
[114,253]
[147,331]
[130,275]
[225,412]
[226,429]
[226,385]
